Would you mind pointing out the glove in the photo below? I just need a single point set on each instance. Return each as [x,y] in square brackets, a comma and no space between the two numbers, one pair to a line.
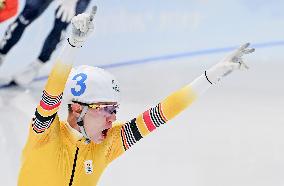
[82,27]
[66,10]
[230,63]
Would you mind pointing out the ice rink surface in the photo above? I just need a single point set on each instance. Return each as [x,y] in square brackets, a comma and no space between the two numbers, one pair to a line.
[231,136]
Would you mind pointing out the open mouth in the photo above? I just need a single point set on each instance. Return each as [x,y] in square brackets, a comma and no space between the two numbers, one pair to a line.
[104,132]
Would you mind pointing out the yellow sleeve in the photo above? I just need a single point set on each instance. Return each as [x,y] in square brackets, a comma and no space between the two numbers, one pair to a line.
[46,119]
[126,135]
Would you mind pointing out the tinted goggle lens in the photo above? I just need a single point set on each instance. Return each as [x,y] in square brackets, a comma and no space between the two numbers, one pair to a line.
[111,109]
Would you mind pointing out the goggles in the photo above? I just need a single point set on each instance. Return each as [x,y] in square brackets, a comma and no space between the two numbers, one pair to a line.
[110,109]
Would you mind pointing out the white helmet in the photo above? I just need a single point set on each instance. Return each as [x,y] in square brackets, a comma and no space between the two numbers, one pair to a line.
[87,84]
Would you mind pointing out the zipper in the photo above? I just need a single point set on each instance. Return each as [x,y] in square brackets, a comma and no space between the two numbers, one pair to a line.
[74,166]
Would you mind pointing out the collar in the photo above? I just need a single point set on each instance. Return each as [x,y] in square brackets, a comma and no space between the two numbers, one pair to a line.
[76,134]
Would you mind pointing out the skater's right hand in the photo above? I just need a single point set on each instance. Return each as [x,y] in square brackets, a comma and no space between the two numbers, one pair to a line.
[82,27]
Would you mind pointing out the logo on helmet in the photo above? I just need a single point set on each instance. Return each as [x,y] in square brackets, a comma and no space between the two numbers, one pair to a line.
[115,86]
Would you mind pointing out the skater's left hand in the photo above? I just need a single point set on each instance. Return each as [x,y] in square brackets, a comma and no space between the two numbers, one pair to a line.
[66,10]
[233,61]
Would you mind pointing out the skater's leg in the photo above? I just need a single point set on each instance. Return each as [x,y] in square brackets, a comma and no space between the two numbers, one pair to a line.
[57,33]
[32,10]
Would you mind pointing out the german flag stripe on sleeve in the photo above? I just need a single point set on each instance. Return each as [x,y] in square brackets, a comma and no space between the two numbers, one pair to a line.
[122,133]
[135,130]
[147,119]
[162,113]
[49,102]
[46,111]
[139,127]
[154,117]
[130,134]
[157,116]
[40,123]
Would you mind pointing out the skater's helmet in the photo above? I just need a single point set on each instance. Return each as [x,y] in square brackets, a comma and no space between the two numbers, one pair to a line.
[89,85]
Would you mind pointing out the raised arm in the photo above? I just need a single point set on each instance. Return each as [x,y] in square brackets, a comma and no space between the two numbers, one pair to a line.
[46,121]
[171,106]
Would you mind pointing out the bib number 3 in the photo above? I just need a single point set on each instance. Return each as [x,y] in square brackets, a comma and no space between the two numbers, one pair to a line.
[80,86]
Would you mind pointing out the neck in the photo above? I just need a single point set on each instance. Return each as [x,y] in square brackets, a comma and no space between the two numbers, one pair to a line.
[73,122]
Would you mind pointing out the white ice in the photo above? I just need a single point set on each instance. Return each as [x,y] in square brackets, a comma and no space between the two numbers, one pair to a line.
[233,135]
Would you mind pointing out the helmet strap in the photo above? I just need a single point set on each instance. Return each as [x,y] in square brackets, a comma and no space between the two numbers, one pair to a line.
[80,123]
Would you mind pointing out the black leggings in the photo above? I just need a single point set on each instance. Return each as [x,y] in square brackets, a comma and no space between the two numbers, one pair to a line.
[32,10]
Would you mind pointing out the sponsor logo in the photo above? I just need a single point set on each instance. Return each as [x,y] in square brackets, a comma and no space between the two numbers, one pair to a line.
[88,166]
[115,86]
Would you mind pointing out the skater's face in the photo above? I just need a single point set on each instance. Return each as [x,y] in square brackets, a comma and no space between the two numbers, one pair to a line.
[98,120]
